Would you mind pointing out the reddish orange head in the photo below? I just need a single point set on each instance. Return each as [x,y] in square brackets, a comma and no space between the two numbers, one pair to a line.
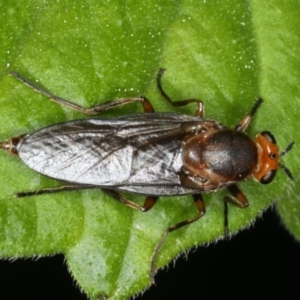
[268,158]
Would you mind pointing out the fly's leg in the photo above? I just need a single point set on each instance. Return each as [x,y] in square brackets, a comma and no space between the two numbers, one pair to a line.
[238,199]
[148,204]
[198,200]
[200,106]
[226,229]
[146,104]
[244,123]
[63,188]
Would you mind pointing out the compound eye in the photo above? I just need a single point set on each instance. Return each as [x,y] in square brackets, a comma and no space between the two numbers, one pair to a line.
[269,136]
[266,179]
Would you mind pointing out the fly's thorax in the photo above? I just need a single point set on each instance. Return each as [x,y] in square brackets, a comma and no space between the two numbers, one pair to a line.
[220,155]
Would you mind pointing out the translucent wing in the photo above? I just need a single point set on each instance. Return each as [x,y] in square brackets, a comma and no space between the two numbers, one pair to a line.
[127,152]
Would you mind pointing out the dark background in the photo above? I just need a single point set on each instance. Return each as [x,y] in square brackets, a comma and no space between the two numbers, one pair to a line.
[264,260]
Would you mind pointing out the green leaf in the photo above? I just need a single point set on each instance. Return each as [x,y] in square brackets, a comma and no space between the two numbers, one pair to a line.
[224,52]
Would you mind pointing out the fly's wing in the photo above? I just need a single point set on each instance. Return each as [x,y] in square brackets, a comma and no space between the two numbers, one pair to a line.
[127,151]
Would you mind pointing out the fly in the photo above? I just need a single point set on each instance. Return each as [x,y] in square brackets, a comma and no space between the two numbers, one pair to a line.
[153,154]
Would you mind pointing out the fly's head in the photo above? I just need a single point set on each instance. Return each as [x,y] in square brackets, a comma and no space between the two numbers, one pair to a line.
[268,158]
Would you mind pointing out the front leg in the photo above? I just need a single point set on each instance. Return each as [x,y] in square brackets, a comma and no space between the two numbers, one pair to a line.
[244,123]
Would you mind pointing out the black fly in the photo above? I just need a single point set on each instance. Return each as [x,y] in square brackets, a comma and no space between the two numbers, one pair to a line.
[154,154]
